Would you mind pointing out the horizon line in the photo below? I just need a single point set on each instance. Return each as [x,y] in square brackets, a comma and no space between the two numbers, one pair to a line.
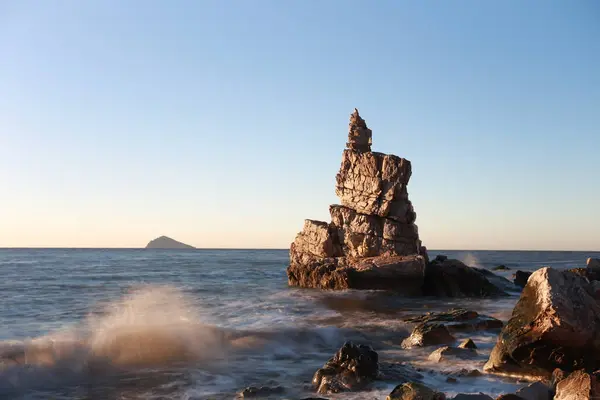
[266,248]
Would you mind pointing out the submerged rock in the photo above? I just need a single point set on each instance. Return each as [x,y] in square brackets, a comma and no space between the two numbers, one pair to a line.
[579,385]
[459,320]
[414,391]
[428,334]
[472,396]
[447,352]
[351,368]
[555,324]
[452,278]
[520,278]
[501,268]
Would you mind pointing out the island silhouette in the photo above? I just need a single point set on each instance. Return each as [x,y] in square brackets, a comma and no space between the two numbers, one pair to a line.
[165,242]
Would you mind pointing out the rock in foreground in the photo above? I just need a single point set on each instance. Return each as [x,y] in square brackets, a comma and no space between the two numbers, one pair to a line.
[414,391]
[351,368]
[580,385]
[165,242]
[555,324]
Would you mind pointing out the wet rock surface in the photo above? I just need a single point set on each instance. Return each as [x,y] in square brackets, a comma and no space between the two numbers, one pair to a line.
[535,391]
[414,391]
[448,353]
[428,334]
[555,324]
[579,385]
[352,368]
[467,344]
[452,278]
[262,391]
[459,320]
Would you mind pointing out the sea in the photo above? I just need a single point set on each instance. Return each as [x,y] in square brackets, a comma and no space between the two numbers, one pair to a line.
[205,324]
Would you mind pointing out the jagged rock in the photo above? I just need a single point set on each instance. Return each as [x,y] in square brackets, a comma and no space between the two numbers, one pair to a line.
[359,136]
[263,391]
[351,368]
[372,241]
[467,344]
[579,385]
[459,320]
[447,352]
[428,334]
[472,396]
[452,278]
[414,391]
[555,324]
[535,391]
[521,277]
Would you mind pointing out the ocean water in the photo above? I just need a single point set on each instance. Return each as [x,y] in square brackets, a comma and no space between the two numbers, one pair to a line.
[204,324]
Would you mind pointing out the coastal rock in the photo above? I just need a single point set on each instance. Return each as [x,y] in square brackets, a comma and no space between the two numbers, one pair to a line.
[263,391]
[428,334]
[593,263]
[509,396]
[164,242]
[452,278]
[351,368]
[467,344]
[371,241]
[535,391]
[459,320]
[501,268]
[521,277]
[472,396]
[447,352]
[555,324]
[414,391]
[579,385]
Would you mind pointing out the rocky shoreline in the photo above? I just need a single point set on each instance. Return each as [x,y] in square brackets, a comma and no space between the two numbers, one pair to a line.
[372,242]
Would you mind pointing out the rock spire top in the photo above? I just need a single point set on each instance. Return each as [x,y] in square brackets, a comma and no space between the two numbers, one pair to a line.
[359,136]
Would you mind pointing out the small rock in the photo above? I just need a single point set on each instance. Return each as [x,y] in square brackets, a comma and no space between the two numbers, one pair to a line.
[579,385]
[451,380]
[509,396]
[263,391]
[465,372]
[467,344]
[351,368]
[426,334]
[414,391]
[535,391]
[520,278]
[557,376]
[501,268]
[459,319]
[440,258]
[447,352]
[470,396]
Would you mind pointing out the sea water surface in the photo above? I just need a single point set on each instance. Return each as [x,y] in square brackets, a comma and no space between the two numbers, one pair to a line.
[204,324]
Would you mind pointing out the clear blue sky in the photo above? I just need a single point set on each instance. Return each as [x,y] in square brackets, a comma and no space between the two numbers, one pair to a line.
[221,123]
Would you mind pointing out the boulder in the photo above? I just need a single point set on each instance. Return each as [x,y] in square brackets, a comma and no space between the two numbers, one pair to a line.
[452,278]
[459,320]
[593,263]
[414,391]
[428,334]
[467,344]
[535,391]
[446,353]
[263,391]
[555,324]
[520,278]
[472,396]
[351,368]
[579,385]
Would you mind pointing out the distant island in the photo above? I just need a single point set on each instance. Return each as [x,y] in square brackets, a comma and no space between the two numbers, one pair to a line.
[165,242]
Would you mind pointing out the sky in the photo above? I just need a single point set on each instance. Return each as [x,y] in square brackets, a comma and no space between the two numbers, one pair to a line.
[222,123]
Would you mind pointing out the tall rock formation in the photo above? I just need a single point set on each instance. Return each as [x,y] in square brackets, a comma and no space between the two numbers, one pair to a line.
[372,241]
